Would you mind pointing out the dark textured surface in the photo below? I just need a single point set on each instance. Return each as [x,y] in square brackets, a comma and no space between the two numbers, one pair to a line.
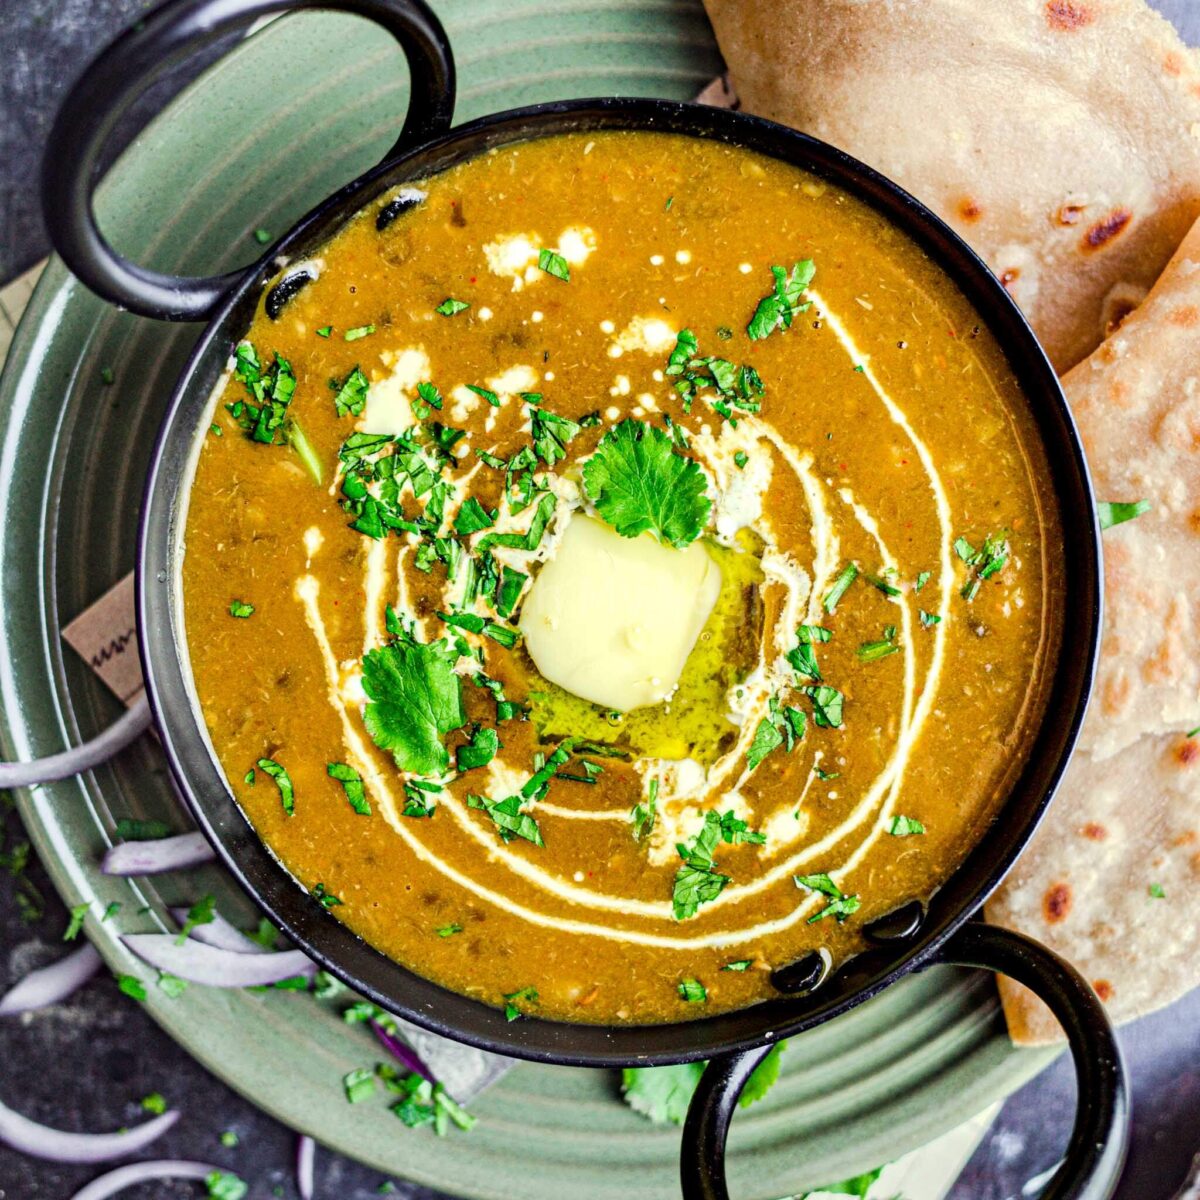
[85,1065]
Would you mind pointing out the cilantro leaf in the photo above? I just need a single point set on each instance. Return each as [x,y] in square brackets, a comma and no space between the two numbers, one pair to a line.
[663,1093]
[638,482]
[554,264]
[776,311]
[451,307]
[350,396]
[766,737]
[287,794]
[352,785]
[859,1186]
[1117,513]
[840,905]
[692,991]
[414,698]
[902,826]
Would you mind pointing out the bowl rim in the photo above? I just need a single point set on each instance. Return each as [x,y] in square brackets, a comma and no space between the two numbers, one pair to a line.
[392,986]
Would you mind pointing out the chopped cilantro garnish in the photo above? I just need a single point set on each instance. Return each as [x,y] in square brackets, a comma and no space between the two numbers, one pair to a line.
[229,1139]
[487,395]
[325,898]
[645,813]
[740,459]
[239,608]
[428,399]
[741,964]
[154,1103]
[78,913]
[880,582]
[1157,891]
[526,995]
[639,483]
[479,751]
[1114,512]
[928,620]
[325,331]
[985,562]
[554,264]
[840,905]
[550,431]
[803,656]
[107,376]
[418,802]
[350,396]
[359,331]
[262,417]
[827,706]
[203,912]
[511,584]
[504,634]
[841,585]
[451,307]
[283,781]
[902,826]
[922,580]
[697,881]
[692,991]
[777,310]
[262,236]
[766,737]
[472,517]
[736,387]
[414,699]
[871,651]
[445,931]
[509,818]
[216,430]
[352,784]
[114,907]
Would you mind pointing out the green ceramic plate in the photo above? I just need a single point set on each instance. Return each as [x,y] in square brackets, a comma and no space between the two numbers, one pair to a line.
[299,108]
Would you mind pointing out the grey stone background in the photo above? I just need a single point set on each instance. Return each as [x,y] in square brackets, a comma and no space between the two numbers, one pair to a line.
[86,1064]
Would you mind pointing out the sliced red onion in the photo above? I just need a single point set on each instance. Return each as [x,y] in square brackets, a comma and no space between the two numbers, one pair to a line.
[306,1153]
[52,984]
[214,967]
[402,1051]
[220,933]
[155,857]
[142,1172]
[55,1145]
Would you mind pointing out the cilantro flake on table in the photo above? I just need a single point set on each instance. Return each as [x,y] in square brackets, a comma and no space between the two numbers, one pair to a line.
[1114,512]
[131,830]
[223,1185]
[839,905]
[352,785]
[639,483]
[203,912]
[778,309]
[132,986]
[78,913]
[414,698]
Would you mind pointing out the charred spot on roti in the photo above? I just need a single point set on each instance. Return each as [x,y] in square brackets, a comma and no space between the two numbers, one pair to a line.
[1173,63]
[1070,214]
[1186,316]
[1068,14]
[1008,276]
[1187,753]
[1056,903]
[969,209]
[1094,831]
[1103,989]
[1106,230]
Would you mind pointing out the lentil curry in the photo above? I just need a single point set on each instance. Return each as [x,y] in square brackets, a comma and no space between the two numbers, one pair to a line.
[617,567]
